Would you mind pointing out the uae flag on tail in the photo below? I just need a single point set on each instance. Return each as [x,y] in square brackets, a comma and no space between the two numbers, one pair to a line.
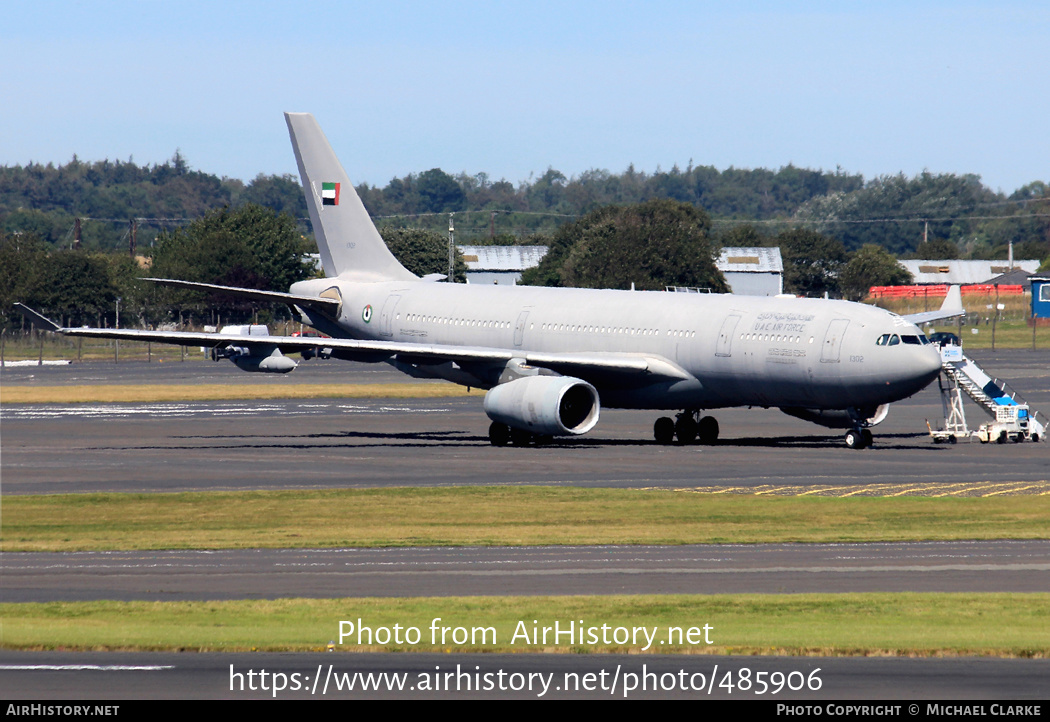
[330,194]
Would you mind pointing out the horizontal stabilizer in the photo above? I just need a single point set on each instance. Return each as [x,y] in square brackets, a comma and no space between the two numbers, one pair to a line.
[326,305]
[38,318]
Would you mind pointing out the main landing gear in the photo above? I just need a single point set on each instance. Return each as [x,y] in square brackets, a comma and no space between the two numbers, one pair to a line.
[859,438]
[501,435]
[686,427]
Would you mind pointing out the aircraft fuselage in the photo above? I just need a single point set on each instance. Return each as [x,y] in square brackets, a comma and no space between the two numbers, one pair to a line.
[738,350]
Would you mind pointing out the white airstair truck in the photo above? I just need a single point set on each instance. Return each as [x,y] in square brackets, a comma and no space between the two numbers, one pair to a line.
[1012,419]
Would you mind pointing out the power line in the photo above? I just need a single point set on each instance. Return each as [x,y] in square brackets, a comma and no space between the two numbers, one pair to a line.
[831,221]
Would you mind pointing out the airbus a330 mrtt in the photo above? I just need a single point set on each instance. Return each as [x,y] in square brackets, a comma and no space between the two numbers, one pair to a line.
[550,358]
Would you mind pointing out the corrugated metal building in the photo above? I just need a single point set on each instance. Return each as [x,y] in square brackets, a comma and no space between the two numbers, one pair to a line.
[962,272]
[500,265]
[752,271]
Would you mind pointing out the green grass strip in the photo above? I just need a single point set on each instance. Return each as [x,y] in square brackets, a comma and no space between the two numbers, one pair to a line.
[1012,625]
[481,516]
[157,393]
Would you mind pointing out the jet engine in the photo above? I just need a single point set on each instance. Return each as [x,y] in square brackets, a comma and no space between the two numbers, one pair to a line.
[545,405]
[841,418]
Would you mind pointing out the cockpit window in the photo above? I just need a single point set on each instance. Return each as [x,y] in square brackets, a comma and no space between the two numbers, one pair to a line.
[925,341]
[911,340]
[894,340]
[883,340]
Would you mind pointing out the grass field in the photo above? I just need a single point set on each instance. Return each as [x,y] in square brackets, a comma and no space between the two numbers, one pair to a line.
[473,516]
[154,393]
[1010,625]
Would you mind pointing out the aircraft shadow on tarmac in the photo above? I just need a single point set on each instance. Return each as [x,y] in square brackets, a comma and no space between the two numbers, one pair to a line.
[459,438]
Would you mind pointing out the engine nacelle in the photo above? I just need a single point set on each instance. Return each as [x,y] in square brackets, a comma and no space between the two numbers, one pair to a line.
[546,405]
[841,418]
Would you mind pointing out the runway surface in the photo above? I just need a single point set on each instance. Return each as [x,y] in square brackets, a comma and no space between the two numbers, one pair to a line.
[326,443]
[129,676]
[1004,566]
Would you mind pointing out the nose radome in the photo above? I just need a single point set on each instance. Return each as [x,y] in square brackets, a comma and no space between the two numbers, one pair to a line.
[932,359]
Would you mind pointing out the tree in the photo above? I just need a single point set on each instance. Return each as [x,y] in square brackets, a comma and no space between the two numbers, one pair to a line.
[650,245]
[743,235]
[439,192]
[249,247]
[282,194]
[423,252]
[812,262]
[944,196]
[937,249]
[22,256]
[871,266]
[74,287]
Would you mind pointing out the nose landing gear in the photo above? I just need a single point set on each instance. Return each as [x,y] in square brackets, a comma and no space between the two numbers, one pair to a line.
[859,438]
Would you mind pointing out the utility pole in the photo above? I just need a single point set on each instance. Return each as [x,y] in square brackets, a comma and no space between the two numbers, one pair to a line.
[76,234]
[116,324]
[995,314]
[451,248]
[134,232]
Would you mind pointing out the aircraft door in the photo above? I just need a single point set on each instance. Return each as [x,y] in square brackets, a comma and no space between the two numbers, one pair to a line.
[829,352]
[386,316]
[519,328]
[724,347]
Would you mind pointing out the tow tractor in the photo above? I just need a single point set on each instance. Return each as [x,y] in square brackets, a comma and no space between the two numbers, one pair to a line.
[1011,423]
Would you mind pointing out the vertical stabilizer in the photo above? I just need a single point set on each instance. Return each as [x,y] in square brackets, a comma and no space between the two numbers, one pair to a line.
[350,245]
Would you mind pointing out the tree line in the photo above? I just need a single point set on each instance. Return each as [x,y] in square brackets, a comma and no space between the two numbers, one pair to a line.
[958,213]
[652,245]
[247,247]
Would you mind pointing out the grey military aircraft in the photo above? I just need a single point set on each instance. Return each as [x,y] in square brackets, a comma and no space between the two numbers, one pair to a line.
[550,358]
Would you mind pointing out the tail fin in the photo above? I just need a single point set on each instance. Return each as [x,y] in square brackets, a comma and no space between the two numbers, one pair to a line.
[350,245]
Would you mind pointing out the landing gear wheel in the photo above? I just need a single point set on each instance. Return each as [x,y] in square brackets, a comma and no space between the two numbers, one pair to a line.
[663,430]
[520,437]
[855,439]
[685,429]
[707,430]
[869,439]
[499,434]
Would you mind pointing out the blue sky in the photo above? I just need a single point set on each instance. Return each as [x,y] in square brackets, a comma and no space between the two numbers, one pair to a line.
[511,88]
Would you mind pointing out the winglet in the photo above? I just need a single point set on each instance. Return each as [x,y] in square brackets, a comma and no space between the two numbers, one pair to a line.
[950,308]
[41,320]
[953,300]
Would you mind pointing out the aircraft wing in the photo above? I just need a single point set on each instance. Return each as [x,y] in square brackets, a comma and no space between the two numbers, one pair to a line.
[329,305]
[584,364]
[951,308]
